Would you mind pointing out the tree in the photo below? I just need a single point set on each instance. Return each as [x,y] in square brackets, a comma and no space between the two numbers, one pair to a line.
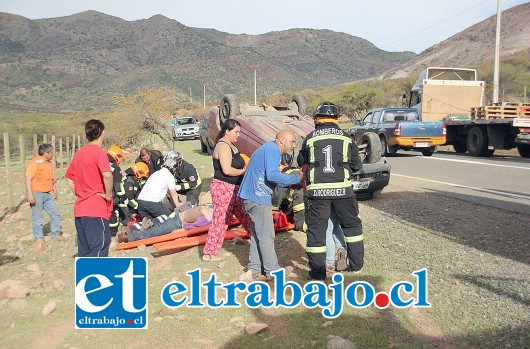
[150,110]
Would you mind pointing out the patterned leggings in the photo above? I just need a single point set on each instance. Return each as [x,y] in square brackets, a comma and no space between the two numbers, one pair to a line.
[225,203]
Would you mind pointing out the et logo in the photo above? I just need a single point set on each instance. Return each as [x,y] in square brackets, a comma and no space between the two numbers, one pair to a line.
[110,293]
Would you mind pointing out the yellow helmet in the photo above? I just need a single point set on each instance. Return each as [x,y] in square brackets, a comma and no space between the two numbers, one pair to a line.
[117,153]
[140,170]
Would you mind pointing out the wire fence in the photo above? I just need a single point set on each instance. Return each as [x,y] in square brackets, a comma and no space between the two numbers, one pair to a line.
[18,150]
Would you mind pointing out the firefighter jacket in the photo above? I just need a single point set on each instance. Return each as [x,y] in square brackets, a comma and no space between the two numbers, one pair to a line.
[117,183]
[187,176]
[332,157]
[157,160]
[132,187]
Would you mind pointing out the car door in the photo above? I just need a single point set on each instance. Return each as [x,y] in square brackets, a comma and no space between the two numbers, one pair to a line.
[376,122]
[360,129]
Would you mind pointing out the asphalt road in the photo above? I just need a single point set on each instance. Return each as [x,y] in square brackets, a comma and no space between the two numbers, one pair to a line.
[499,181]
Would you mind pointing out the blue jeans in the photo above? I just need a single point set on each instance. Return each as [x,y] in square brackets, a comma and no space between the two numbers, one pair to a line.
[46,202]
[334,239]
[262,257]
[165,227]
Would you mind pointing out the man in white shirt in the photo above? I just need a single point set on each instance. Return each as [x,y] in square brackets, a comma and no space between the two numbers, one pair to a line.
[158,185]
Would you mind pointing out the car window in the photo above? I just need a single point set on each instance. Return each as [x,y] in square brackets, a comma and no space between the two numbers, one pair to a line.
[368,118]
[389,117]
[377,117]
[186,121]
[412,116]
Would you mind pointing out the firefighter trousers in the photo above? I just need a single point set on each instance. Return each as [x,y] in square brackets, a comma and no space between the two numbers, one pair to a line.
[318,212]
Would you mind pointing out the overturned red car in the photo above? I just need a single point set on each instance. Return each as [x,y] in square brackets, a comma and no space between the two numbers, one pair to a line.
[260,123]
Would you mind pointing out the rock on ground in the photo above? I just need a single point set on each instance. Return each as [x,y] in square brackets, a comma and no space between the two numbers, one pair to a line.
[255,328]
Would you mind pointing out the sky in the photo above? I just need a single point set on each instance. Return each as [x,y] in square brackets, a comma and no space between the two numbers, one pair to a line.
[392,25]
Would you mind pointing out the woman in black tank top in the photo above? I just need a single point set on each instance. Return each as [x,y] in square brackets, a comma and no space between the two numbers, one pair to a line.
[229,168]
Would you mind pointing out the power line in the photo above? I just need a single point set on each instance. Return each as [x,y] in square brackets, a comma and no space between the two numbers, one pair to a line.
[435,24]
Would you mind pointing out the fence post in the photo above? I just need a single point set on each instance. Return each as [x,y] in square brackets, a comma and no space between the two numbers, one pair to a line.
[35,150]
[60,156]
[67,149]
[73,145]
[44,138]
[22,152]
[7,153]
[54,161]
[78,142]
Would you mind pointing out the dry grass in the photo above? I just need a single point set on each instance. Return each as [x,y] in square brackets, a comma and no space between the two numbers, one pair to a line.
[479,294]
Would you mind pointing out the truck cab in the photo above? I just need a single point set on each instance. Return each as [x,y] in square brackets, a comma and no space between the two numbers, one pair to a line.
[401,128]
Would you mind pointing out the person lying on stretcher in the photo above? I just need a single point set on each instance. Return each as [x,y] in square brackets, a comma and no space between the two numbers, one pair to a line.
[191,218]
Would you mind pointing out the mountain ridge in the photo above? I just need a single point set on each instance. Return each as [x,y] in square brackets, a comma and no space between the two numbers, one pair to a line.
[81,61]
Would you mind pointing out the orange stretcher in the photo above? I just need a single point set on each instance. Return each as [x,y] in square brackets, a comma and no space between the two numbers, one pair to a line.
[199,240]
[175,234]
[280,224]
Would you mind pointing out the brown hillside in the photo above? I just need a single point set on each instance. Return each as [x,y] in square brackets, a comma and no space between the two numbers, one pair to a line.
[80,61]
[476,44]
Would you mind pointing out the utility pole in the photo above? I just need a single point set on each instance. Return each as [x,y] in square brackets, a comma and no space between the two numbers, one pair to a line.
[191,98]
[495,98]
[255,89]
[204,97]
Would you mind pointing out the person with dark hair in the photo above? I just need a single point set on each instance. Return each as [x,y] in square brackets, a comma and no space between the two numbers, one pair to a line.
[42,194]
[159,185]
[90,177]
[229,168]
[331,157]
[152,158]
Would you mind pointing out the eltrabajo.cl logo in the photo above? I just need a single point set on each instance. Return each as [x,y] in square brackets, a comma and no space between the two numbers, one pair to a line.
[111,293]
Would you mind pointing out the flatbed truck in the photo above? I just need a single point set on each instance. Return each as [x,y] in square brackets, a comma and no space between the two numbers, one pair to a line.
[454,96]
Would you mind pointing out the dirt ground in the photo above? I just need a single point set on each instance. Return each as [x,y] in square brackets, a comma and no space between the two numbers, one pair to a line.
[478,259]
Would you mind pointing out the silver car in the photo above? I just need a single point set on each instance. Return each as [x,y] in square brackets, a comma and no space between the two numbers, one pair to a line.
[186,127]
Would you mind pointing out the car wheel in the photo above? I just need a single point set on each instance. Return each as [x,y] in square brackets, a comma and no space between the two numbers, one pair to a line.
[372,148]
[428,151]
[383,146]
[477,142]
[301,103]
[524,150]
[229,108]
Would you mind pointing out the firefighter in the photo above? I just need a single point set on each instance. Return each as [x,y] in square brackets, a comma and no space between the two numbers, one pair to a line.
[152,158]
[332,157]
[135,178]
[188,181]
[115,155]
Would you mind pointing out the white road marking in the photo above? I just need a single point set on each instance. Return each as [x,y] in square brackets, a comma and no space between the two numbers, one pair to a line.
[525,197]
[473,162]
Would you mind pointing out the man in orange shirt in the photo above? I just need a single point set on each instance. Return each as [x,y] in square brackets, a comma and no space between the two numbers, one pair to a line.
[41,194]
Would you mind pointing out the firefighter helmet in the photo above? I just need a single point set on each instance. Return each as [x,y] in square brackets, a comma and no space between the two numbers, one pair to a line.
[117,153]
[173,160]
[327,109]
[140,170]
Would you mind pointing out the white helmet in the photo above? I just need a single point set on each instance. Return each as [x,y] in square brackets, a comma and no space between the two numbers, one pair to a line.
[173,160]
